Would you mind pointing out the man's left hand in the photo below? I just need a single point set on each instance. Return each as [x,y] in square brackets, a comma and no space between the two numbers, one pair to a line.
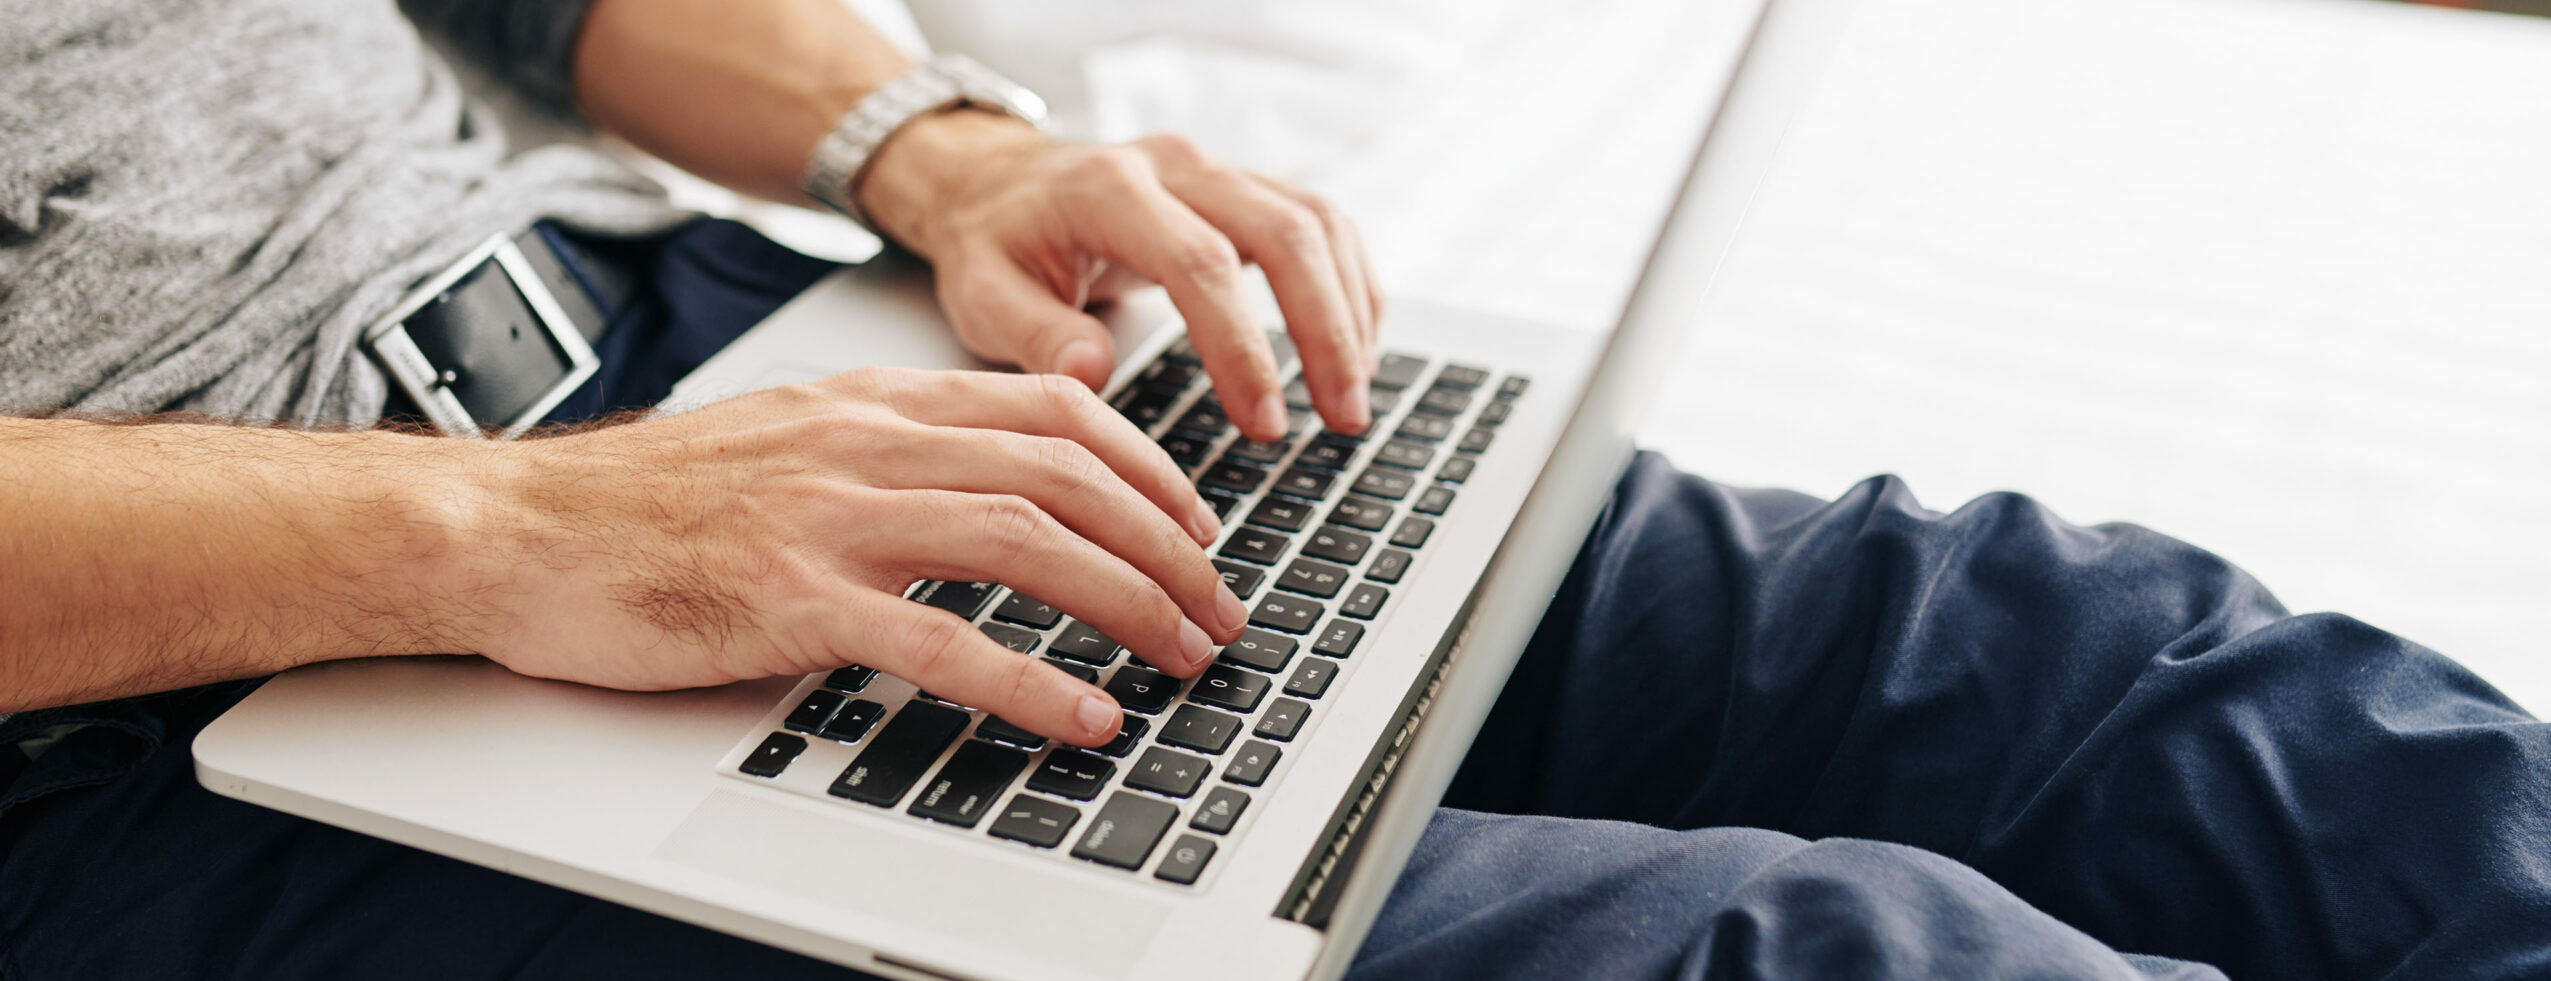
[1025,233]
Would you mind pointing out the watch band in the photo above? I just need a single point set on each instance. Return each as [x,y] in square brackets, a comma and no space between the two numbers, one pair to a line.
[841,159]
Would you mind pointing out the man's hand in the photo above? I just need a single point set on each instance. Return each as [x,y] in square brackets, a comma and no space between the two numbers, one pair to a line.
[1025,233]
[775,534]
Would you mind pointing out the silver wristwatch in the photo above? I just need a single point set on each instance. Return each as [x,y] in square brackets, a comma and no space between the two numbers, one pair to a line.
[841,160]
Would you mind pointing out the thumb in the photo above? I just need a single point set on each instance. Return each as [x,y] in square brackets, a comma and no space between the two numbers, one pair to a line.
[1003,315]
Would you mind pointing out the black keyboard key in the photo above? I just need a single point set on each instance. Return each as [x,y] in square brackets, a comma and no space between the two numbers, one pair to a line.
[1022,641]
[1263,454]
[1188,449]
[1406,454]
[810,714]
[1261,650]
[971,782]
[1220,810]
[1205,421]
[1444,400]
[1283,719]
[1000,730]
[1339,638]
[1221,503]
[1365,602]
[1329,452]
[1305,482]
[1186,861]
[1035,820]
[1412,532]
[1434,501]
[1311,680]
[1125,830]
[1249,765]
[1360,513]
[1430,428]
[1312,578]
[1381,482]
[1174,374]
[1291,614]
[1398,370]
[1071,773]
[1228,687]
[1253,545]
[1457,470]
[964,599]
[1027,612]
[773,755]
[851,679]
[1512,387]
[1242,579]
[853,721]
[1142,689]
[895,759]
[1338,545]
[1144,407]
[1228,474]
[1201,729]
[1496,414]
[1389,566]
[1082,642]
[1281,514]
[1461,376]
[1081,671]
[1167,772]
[1476,441]
[1384,400]
[1128,735]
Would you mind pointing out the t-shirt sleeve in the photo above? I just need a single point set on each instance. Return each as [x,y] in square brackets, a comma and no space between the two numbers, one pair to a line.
[531,43]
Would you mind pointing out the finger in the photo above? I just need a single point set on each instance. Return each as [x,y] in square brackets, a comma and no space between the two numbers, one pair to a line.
[1289,241]
[1127,217]
[1008,539]
[1045,406]
[1355,264]
[950,658]
[1005,315]
[1069,482]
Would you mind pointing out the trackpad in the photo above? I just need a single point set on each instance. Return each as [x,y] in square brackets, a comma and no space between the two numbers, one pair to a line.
[1046,918]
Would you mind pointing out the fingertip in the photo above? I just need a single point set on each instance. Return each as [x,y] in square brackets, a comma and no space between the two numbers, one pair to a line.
[1271,418]
[1086,360]
[1098,717]
[1204,525]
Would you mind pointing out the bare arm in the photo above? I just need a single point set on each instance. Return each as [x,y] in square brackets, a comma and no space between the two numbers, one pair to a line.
[769,534]
[138,558]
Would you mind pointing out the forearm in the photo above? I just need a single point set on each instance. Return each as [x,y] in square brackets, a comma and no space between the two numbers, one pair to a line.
[740,91]
[138,558]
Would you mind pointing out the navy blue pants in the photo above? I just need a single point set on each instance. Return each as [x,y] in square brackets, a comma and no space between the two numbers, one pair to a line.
[1757,736]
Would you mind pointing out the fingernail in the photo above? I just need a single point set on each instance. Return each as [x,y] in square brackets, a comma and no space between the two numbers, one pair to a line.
[1080,359]
[1095,715]
[1271,410]
[1193,642]
[1234,613]
[1205,525]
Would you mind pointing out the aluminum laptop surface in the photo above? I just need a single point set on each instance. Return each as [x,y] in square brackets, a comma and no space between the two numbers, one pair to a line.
[637,798]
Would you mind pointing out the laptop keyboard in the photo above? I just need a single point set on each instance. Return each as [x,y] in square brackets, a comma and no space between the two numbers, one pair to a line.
[1320,527]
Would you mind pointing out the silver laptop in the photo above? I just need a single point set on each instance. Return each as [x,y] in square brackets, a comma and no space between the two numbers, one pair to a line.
[1250,822]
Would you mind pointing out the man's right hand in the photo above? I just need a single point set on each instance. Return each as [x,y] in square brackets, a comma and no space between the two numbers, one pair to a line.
[775,534]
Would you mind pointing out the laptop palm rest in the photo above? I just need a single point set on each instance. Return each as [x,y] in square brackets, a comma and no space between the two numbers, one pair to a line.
[738,837]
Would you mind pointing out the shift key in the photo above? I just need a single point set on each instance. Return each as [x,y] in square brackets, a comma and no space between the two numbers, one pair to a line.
[1125,831]
[970,784]
[899,754]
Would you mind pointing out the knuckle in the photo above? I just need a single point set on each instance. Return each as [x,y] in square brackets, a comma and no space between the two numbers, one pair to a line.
[1206,257]
[1295,231]
[1066,395]
[934,641]
[1108,170]
[1020,681]
[1173,148]
[1071,466]
[1012,523]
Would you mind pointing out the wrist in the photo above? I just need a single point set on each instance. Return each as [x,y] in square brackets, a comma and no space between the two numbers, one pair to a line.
[931,167]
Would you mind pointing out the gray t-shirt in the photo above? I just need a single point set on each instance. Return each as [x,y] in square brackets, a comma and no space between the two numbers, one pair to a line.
[204,202]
